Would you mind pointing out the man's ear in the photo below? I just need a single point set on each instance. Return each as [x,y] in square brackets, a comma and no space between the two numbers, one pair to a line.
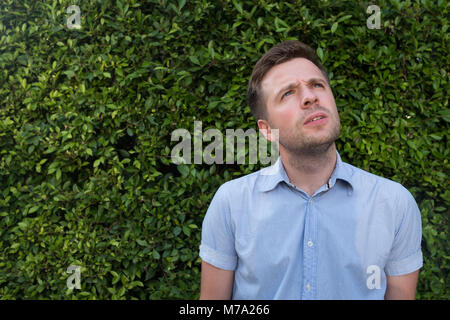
[265,129]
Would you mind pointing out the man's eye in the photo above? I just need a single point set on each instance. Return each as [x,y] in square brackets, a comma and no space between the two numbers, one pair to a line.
[284,95]
[315,84]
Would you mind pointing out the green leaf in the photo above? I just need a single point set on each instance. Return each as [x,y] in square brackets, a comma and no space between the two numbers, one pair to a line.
[186,231]
[183,169]
[176,231]
[238,6]
[333,29]
[142,242]
[320,53]
[96,163]
[436,137]
[194,60]
[260,22]
[116,277]
[33,209]
[346,17]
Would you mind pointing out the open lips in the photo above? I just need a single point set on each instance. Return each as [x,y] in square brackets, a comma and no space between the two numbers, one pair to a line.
[316,118]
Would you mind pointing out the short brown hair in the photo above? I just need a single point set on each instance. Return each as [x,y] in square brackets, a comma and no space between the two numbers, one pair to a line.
[282,52]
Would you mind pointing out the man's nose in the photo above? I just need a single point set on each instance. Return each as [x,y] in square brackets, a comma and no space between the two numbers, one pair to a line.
[309,98]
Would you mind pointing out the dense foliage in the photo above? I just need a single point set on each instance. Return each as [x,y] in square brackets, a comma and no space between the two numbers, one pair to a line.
[86,117]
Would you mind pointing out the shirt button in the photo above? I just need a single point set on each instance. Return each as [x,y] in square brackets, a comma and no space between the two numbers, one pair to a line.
[310,243]
[308,287]
[311,201]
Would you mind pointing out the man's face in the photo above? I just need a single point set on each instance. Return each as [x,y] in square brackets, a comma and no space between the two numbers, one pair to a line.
[301,105]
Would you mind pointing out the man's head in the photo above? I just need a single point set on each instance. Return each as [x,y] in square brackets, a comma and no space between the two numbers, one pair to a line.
[289,87]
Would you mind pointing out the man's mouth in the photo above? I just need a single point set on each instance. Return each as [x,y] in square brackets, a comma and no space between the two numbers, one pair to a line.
[315,118]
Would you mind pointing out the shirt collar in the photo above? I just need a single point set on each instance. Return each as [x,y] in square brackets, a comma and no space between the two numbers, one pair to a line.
[269,177]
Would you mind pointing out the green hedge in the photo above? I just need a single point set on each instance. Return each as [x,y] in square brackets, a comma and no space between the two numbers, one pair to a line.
[86,117]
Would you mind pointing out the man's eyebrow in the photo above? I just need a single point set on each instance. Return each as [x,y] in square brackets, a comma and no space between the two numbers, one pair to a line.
[295,84]
[287,87]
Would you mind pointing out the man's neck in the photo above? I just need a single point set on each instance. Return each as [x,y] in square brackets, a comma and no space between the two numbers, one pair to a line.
[309,172]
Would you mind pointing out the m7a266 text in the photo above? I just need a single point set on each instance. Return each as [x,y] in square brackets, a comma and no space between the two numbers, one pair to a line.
[245,309]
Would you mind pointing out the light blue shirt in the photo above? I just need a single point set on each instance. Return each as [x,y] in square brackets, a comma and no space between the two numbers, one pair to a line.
[341,243]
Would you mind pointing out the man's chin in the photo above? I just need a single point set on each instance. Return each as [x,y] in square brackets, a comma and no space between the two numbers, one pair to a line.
[310,148]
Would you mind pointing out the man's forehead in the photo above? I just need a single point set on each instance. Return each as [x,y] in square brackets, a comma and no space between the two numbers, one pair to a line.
[298,69]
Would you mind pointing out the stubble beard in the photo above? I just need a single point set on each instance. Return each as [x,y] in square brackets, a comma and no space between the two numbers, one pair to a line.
[300,145]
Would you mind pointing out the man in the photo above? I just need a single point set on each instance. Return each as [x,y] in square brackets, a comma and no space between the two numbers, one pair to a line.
[313,227]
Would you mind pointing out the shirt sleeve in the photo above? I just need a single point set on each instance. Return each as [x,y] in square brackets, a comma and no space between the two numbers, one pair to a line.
[406,254]
[217,244]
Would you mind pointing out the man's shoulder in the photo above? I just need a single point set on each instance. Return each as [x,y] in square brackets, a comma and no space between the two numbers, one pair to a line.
[240,185]
[368,181]
[242,181]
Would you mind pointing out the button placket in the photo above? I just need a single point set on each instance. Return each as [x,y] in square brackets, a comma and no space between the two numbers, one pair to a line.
[309,252]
